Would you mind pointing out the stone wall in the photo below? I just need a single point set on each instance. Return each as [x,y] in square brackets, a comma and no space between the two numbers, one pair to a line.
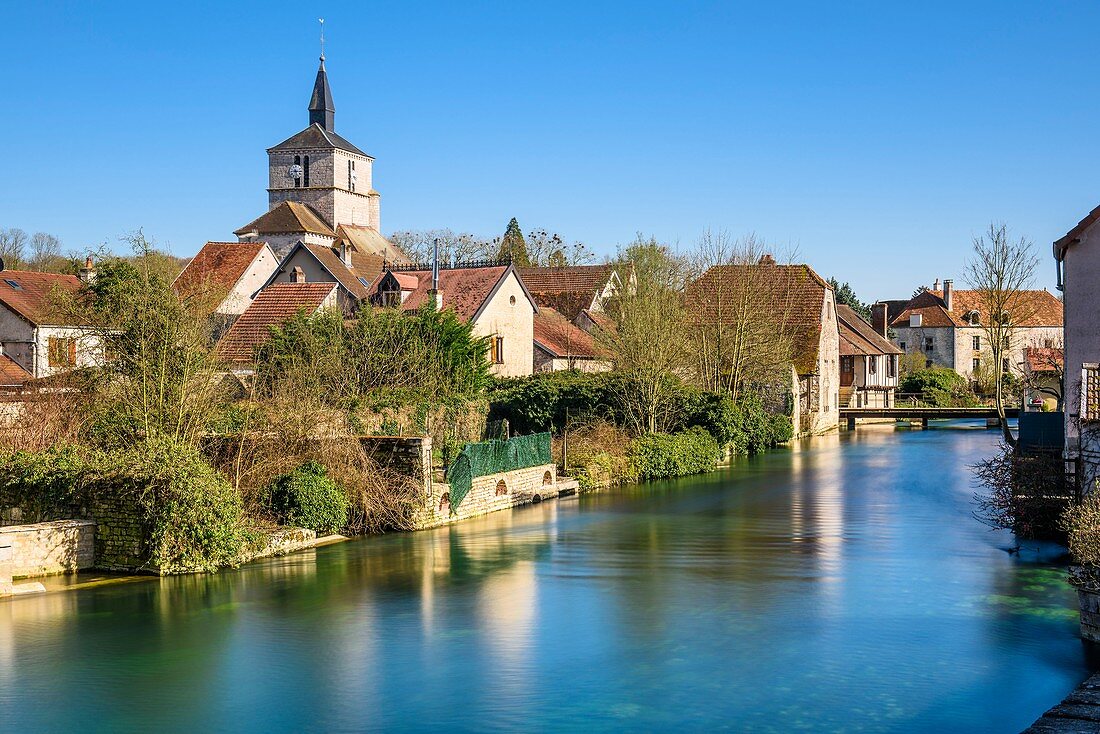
[494,492]
[408,455]
[121,535]
[48,548]
[5,569]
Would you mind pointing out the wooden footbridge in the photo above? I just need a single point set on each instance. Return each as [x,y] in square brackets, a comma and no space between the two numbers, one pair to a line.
[923,414]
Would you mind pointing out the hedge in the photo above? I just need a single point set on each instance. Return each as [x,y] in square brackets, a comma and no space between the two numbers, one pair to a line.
[308,498]
[665,455]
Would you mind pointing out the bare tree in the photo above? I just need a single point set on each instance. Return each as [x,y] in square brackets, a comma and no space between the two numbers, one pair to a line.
[453,247]
[546,249]
[741,307]
[1001,270]
[13,243]
[649,344]
[45,252]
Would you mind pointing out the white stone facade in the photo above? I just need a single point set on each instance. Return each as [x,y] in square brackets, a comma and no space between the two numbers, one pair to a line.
[510,315]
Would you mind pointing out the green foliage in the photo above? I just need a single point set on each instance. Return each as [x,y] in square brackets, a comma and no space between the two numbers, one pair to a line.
[940,387]
[308,498]
[513,245]
[664,455]
[844,293]
[757,428]
[544,401]
[603,469]
[43,485]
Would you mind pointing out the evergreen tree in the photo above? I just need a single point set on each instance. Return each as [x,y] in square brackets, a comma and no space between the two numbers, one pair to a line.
[513,245]
[845,294]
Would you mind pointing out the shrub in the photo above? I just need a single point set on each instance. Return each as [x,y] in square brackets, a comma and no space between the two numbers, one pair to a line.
[544,401]
[599,455]
[308,498]
[941,387]
[43,485]
[1024,493]
[1082,525]
[663,455]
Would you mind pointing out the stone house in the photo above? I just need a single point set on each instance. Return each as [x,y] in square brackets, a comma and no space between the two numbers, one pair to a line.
[796,302]
[868,363]
[1077,257]
[494,299]
[273,306]
[36,339]
[946,328]
[559,344]
[227,276]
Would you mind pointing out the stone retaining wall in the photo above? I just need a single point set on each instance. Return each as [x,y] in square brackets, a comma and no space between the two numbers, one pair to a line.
[121,536]
[48,548]
[491,493]
[408,455]
[5,569]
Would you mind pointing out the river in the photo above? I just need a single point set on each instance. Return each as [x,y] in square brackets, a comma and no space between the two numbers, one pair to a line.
[840,585]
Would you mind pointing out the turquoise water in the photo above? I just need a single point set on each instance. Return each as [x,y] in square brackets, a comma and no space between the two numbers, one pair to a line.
[838,586]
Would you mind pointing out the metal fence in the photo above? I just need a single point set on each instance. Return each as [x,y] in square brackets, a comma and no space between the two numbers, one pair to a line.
[494,457]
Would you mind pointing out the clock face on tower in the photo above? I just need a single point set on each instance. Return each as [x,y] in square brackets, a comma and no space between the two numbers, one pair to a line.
[295,171]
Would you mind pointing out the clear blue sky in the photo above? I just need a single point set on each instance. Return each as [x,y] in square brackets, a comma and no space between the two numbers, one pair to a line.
[877,138]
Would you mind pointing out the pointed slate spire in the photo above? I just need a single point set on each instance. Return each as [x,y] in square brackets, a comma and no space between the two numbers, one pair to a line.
[321,110]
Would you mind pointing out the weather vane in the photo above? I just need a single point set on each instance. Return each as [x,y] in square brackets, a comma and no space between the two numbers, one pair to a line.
[322,22]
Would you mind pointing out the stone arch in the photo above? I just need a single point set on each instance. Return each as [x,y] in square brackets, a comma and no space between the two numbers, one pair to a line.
[502,487]
[445,502]
[547,478]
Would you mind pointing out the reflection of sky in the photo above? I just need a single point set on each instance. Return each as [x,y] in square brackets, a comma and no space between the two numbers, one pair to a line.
[840,581]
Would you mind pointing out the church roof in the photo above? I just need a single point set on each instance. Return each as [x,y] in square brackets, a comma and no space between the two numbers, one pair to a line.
[321,109]
[290,217]
[370,241]
[316,136]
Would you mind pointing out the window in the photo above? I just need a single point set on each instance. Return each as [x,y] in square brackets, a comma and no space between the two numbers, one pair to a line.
[1048,343]
[892,365]
[902,345]
[872,365]
[62,351]
[1004,365]
[498,350]
[305,170]
[297,167]
[391,299]
[977,344]
[351,175]
[975,365]
[929,344]
[927,364]
[15,285]
[1090,394]
[297,274]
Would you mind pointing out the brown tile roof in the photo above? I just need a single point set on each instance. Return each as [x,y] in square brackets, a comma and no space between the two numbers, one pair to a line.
[568,289]
[219,265]
[560,337]
[370,241]
[274,305]
[1044,359]
[34,296]
[363,266]
[290,217]
[599,319]
[1030,309]
[465,290]
[1062,243]
[859,337]
[11,374]
[794,295]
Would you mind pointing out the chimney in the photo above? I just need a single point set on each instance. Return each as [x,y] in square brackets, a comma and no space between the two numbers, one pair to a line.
[878,318]
[87,273]
[936,284]
[948,292]
[434,294]
[766,259]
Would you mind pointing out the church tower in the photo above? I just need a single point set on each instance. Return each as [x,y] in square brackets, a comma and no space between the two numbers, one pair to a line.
[318,168]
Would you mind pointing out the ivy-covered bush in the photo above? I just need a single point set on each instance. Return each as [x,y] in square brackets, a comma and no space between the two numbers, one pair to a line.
[308,498]
[745,426]
[664,455]
[544,401]
[43,485]
[940,387]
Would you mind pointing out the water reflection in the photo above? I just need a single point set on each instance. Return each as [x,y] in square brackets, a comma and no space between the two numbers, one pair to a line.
[837,585]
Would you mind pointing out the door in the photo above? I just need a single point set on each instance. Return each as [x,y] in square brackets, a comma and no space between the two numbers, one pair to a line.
[847,371]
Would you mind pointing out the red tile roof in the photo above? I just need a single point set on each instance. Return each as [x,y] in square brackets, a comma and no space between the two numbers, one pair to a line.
[560,337]
[365,266]
[1044,359]
[793,295]
[217,265]
[290,217]
[465,290]
[11,374]
[35,296]
[274,305]
[857,337]
[1029,309]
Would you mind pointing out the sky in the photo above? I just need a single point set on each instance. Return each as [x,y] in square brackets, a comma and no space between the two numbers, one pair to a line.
[876,139]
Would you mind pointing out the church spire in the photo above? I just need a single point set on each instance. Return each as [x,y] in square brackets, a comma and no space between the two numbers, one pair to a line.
[321,109]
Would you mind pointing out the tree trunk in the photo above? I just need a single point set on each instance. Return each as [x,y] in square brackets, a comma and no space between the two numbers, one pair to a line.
[1006,434]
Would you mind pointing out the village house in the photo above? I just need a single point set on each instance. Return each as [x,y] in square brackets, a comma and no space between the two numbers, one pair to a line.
[491,298]
[273,306]
[868,363]
[794,301]
[36,338]
[227,276]
[559,344]
[573,289]
[353,271]
[1077,257]
[945,327]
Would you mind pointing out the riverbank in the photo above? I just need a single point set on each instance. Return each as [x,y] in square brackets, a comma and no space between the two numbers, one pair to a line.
[1078,713]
